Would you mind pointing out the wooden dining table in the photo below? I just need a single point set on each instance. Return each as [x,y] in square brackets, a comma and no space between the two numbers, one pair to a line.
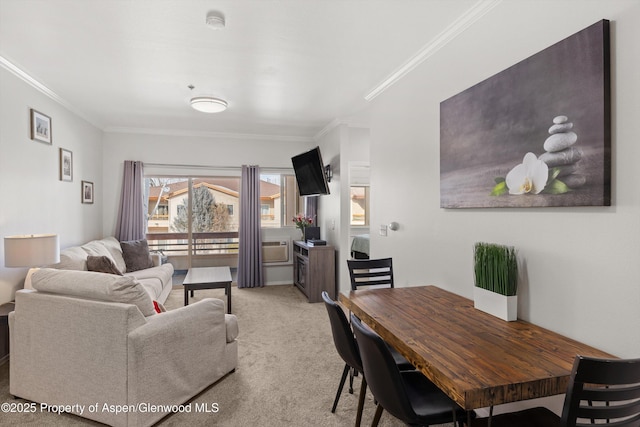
[477,359]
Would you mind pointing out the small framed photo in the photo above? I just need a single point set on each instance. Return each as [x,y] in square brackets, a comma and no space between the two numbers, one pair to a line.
[40,127]
[87,192]
[66,165]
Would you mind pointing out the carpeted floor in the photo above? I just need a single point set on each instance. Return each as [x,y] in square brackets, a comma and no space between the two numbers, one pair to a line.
[288,370]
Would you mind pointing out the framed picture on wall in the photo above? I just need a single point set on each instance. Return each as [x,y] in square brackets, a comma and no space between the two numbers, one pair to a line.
[87,192]
[40,127]
[66,165]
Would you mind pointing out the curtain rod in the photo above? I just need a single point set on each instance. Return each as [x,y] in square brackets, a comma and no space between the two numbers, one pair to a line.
[234,168]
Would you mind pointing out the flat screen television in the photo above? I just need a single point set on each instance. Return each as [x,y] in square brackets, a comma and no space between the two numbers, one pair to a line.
[310,175]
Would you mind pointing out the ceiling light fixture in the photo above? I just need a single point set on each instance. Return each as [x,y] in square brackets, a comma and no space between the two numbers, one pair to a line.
[215,20]
[208,104]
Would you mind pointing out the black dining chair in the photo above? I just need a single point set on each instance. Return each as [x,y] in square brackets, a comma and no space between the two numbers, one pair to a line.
[347,348]
[407,395]
[372,273]
[375,273]
[601,391]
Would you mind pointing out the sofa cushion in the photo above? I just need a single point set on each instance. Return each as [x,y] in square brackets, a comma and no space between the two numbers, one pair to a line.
[113,246]
[96,248]
[161,272]
[73,258]
[91,285]
[102,264]
[136,255]
[154,279]
[152,285]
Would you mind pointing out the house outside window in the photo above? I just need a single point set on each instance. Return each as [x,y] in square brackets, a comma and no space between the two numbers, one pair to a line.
[279,200]
[359,205]
[168,201]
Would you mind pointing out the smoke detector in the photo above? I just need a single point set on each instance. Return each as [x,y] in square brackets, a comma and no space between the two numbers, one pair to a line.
[215,20]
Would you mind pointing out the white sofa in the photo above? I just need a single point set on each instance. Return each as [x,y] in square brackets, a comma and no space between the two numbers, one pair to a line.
[82,338]
[156,280]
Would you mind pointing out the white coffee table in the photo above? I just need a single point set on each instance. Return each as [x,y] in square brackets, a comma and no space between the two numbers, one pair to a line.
[208,278]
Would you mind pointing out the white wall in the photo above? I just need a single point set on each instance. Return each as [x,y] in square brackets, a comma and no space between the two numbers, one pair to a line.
[340,146]
[329,205]
[582,275]
[354,150]
[34,200]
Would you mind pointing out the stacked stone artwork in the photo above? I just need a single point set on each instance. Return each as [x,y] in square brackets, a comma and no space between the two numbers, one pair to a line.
[561,153]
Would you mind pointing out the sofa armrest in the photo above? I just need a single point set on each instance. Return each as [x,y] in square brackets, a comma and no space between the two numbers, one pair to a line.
[156,258]
[231,322]
[177,353]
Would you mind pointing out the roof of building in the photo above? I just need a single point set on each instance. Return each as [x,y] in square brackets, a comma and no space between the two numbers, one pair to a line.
[229,185]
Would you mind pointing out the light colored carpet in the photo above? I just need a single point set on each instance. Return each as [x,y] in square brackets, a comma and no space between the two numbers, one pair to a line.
[288,370]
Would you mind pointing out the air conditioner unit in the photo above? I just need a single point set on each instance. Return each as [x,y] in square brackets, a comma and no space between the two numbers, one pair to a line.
[275,251]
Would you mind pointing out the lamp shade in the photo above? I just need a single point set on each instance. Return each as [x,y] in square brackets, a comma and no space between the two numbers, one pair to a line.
[32,250]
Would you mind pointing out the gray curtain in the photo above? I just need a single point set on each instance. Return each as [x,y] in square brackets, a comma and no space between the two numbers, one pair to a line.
[250,252]
[131,216]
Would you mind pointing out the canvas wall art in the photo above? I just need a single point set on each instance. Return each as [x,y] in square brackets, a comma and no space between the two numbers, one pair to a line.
[537,134]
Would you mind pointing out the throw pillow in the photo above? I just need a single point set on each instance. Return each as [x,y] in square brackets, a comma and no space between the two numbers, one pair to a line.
[136,255]
[102,264]
[158,307]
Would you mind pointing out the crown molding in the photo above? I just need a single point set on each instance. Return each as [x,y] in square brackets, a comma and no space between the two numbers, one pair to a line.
[338,122]
[205,134]
[477,11]
[24,76]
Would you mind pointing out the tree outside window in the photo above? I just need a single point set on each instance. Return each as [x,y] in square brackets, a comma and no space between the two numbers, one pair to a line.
[207,216]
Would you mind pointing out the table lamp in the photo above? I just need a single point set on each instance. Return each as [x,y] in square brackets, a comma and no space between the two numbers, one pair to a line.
[31,250]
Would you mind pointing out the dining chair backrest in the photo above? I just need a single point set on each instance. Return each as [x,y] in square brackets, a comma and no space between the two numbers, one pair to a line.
[371,272]
[604,392]
[343,338]
[382,373]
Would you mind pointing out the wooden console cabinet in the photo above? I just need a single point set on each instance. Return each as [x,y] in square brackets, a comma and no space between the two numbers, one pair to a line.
[314,270]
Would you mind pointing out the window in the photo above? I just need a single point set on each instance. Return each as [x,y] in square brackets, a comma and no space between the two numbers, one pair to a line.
[359,205]
[279,200]
[216,203]
[212,226]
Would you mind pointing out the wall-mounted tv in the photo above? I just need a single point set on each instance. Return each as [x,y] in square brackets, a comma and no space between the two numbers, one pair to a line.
[310,174]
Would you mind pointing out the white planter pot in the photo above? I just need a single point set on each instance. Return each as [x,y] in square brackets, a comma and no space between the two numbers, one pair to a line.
[503,307]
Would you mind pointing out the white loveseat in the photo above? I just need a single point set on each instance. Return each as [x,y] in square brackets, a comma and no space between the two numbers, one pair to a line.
[156,280]
[82,338]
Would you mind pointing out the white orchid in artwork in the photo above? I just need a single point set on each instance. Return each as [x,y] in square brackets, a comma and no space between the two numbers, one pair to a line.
[528,177]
